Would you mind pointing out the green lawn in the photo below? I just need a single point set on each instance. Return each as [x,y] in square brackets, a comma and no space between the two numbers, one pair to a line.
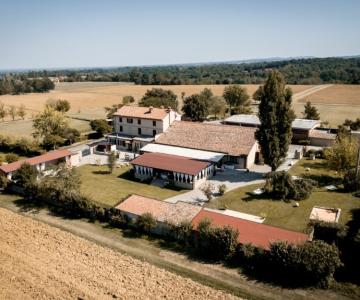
[110,189]
[279,213]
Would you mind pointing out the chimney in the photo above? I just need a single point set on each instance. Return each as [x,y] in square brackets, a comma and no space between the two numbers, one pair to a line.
[168,109]
[150,109]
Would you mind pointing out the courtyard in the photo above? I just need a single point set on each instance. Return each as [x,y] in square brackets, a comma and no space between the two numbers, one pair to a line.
[287,215]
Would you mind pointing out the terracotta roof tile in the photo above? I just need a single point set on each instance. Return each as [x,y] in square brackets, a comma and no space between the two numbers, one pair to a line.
[321,134]
[232,140]
[251,232]
[53,155]
[141,112]
[169,162]
[162,211]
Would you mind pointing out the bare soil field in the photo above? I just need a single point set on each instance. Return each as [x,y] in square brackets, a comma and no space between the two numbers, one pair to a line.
[88,99]
[39,261]
[340,94]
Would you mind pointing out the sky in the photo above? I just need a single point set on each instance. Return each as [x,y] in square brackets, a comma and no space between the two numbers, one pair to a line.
[88,33]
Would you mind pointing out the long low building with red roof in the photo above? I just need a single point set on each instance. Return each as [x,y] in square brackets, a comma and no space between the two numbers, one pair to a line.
[257,234]
[182,171]
[41,162]
[250,232]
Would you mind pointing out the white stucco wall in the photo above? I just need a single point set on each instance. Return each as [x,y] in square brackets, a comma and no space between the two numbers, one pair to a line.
[251,156]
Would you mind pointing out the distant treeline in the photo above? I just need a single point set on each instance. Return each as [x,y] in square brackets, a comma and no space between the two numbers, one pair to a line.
[20,84]
[295,71]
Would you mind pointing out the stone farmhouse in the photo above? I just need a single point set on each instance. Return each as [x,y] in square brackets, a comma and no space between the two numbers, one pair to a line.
[185,153]
[134,127]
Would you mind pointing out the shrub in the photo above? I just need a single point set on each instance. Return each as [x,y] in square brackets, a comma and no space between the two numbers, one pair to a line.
[207,189]
[222,189]
[11,157]
[182,232]
[280,185]
[216,243]
[25,176]
[3,181]
[100,126]
[146,222]
[313,263]
[328,232]
[350,182]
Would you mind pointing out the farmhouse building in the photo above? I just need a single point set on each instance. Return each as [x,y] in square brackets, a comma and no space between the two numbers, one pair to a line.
[237,144]
[181,171]
[259,235]
[134,126]
[41,163]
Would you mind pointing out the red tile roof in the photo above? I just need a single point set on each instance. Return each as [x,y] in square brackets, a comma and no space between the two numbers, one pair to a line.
[142,112]
[53,155]
[229,139]
[169,162]
[162,211]
[251,232]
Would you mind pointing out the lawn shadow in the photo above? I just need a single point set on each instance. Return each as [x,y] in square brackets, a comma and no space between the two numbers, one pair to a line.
[26,206]
[317,165]
[101,172]
[323,180]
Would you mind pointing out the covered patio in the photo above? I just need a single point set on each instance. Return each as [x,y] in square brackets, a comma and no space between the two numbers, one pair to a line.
[181,171]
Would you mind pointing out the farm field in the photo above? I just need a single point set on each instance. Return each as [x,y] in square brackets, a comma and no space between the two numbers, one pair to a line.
[286,215]
[88,99]
[38,261]
[110,189]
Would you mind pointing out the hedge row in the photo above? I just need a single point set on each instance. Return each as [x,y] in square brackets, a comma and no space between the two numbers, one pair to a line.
[20,146]
[312,263]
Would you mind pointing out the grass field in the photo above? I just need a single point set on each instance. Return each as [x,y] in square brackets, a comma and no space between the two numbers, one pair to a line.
[110,189]
[286,215]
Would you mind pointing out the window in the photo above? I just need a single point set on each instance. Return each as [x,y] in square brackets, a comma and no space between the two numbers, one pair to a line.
[154,123]
[154,132]
[139,121]
[139,130]
[120,119]
[129,120]
[121,129]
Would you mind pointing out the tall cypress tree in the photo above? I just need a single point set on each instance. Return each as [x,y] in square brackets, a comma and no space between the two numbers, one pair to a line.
[276,116]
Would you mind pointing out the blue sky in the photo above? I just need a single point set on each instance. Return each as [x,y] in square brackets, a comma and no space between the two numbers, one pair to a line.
[86,33]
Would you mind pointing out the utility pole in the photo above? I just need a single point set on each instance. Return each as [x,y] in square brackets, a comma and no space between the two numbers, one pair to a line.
[357,167]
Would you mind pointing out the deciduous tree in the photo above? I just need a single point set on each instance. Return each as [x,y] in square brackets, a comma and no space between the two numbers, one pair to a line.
[12,112]
[21,111]
[158,97]
[238,99]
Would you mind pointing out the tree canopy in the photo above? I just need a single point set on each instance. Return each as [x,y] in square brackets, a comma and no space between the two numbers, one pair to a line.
[310,112]
[238,99]
[276,116]
[158,97]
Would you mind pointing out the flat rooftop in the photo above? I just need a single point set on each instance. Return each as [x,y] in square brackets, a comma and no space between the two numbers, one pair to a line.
[171,163]
[226,139]
[185,152]
[253,120]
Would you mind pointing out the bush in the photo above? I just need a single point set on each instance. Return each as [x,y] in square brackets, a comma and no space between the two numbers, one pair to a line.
[25,176]
[100,126]
[11,157]
[222,189]
[207,189]
[350,182]
[21,146]
[216,243]
[313,263]
[3,181]
[146,222]
[280,185]
[328,232]
[182,232]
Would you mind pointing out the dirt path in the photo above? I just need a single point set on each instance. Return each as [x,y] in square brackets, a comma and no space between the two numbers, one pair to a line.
[209,274]
[300,95]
